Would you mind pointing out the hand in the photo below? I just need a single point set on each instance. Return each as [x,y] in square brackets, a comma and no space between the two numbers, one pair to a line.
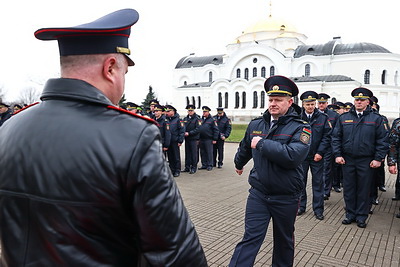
[340,160]
[317,157]
[179,144]
[186,133]
[239,172]
[255,141]
[375,164]
[214,142]
[222,137]
[393,169]
[165,148]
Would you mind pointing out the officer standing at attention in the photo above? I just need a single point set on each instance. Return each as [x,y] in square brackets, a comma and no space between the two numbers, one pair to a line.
[5,113]
[394,156]
[152,106]
[320,143]
[163,126]
[224,127]
[177,129]
[360,143]
[192,124]
[278,142]
[90,187]
[208,137]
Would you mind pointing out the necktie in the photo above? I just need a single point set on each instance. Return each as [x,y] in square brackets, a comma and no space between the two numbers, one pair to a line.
[273,122]
[359,115]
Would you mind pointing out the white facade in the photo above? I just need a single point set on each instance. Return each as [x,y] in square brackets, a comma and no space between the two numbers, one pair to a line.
[274,47]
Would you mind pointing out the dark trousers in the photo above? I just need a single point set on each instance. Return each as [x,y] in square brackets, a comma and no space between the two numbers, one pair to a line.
[206,152]
[260,209]
[327,172]
[191,154]
[397,184]
[219,149]
[317,185]
[174,157]
[337,175]
[357,179]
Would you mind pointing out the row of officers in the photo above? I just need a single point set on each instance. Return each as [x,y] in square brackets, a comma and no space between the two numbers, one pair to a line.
[204,134]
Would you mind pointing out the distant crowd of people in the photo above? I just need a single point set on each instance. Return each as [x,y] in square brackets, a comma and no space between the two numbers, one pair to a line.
[203,135]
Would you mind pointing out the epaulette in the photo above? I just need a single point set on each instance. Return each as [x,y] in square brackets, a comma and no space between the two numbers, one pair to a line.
[26,107]
[300,120]
[132,114]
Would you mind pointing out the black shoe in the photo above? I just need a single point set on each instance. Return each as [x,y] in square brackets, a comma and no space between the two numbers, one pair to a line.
[319,216]
[374,202]
[300,211]
[186,170]
[203,168]
[398,215]
[176,174]
[326,197]
[361,224]
[337,189]
[347,221]
[371,212]
[219,165]
[193,170]
[209,168]
[395,198]
[382,188]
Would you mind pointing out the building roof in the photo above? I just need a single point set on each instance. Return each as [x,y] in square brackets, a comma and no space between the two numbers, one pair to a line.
[326,78]
[195,85]
[192,61]
[330,48]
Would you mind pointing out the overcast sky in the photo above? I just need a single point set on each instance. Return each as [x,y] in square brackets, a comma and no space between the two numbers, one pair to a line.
[169,30]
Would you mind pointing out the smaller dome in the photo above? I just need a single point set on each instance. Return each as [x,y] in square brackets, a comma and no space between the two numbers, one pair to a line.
[270,25]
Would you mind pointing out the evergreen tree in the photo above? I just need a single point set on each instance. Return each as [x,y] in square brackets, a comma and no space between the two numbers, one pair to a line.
[150,96]
[122,101]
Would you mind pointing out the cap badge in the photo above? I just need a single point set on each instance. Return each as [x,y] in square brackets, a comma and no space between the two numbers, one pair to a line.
[360,94]
[275,88]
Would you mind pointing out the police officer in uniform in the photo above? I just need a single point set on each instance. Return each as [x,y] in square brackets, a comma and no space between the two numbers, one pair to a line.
[152,106]
[328,159]
[320,143]
[177,129]
[278,143]
[394,156]
[224,127]
[163,125]
[5,113]
[134,108]
[90,186]
[192,124]
[347,106]
[360,143]
[208,137]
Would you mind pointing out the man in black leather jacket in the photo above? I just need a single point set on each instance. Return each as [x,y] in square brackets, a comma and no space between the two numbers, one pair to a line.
[83,182]
[278,143]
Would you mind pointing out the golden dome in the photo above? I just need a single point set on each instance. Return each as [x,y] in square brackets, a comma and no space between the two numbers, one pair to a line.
[271,25]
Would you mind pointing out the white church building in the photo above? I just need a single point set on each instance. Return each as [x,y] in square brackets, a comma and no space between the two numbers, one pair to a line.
[235,80]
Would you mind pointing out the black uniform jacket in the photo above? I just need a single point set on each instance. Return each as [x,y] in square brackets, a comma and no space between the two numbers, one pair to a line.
[278,156]
[209,129]
[364,137]
[224,125]
[192,125]
[321,133]
[83,183]
[177,129]
[164,127]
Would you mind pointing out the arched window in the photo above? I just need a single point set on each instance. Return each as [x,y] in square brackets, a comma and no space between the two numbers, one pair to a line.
[193,101]
[262,99]
[254,72]
[187,101]
[296,100]
[367,75]
[396,78]
[185,83]
[334,100]
[307,70]
[384,77]
[263,72]
[210,76]
[243,99]
[219,99]
[272,71]
[226,100]
[199,102]
[237,100]
[246,73]
[238,73]
[255,99]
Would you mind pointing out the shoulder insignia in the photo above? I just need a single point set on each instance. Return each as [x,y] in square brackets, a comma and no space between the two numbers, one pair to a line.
[132,114]
[28,106]
[167,126]
[330,124]
[199,122]
[182,124]
[215,122]
[305,136]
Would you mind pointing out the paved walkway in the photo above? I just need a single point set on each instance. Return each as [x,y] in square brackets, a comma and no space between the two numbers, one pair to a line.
[216,201]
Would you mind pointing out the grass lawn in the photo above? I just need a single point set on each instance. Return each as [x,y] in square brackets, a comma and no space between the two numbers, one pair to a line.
[237,133]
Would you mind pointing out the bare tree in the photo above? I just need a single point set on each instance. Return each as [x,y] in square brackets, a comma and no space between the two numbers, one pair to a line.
[29,95]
